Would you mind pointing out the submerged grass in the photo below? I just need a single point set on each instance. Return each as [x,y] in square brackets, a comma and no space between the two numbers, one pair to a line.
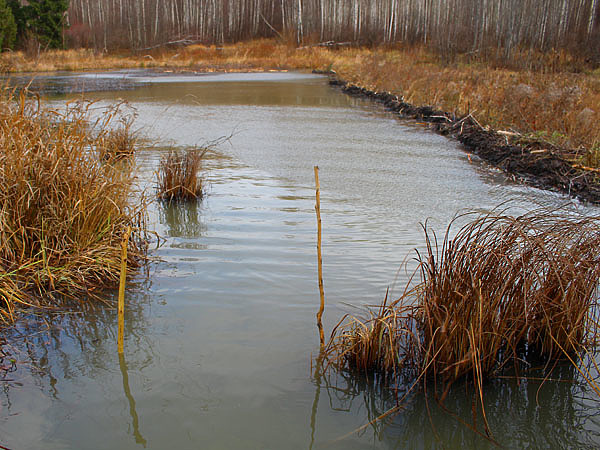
[504,293]
[63,210]
[178,177]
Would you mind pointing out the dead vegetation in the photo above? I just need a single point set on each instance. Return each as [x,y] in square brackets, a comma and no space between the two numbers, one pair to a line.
[63,210]
[558,107]
[530,160]
[502,295]
[178,178]
[117,144]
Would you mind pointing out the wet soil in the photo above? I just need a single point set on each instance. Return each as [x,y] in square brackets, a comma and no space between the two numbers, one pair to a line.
[537,164]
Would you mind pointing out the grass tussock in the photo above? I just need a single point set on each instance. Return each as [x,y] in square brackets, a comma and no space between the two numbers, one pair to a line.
[178,177]
[118,141]
[503,293]
[63,211]
[117,144]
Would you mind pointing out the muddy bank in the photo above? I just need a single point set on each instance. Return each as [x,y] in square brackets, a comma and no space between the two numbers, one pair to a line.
[535,163]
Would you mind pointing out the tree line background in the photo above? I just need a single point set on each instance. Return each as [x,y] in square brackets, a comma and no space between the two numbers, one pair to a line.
[451,26]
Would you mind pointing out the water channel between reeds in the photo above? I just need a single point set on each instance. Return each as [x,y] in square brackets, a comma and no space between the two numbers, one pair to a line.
[220,334]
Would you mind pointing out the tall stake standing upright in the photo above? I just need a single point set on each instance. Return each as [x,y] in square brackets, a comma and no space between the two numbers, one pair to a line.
[121,307]
[319,258]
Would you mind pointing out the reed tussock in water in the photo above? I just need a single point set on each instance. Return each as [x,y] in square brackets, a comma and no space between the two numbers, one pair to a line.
[379,344]
[117,144]
[504,291]
[63,210]
[178,177]
[116,141]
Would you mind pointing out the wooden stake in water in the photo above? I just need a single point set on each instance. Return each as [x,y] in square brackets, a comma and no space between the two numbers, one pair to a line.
[121,308]
[319,258]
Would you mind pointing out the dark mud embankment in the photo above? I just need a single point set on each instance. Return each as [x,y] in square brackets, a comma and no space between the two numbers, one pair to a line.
[534,163]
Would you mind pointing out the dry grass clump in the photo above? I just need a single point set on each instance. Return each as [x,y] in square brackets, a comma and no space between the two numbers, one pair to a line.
[116,144]
[504,291]
[381,344]
[178,177]
[62,210]
[504,285]
[115,141]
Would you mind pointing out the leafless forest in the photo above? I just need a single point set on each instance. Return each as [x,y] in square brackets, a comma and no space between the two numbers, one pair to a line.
[448,25]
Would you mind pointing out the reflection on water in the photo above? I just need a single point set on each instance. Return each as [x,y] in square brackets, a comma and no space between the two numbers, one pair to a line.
[201,89]
[528,412]
[132,411]
[70,83]
[182,219]
[219,338]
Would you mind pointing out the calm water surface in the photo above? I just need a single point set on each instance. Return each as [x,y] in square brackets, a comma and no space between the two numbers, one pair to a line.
[220,336]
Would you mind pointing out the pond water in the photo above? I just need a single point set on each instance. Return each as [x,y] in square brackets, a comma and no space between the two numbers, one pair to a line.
[220,335]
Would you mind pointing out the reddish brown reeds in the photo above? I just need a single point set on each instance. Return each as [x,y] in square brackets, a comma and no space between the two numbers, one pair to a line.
[505,290]
[382,344]
[178,177]
[506,284]
[62,210]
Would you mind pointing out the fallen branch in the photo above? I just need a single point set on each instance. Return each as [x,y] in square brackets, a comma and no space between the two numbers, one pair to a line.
[180,42]
[326,44]
[586,168]
[271,27]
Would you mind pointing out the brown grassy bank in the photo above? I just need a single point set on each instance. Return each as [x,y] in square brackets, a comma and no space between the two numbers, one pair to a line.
[556,104]
[533,161]
[63,209]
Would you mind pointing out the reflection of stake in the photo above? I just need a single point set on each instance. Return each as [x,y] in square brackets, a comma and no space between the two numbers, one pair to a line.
[121,308]
[122,364]
[320,258]
[132,412]
[313,414]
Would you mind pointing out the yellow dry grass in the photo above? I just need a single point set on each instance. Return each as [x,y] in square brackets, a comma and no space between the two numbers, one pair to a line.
[63,210]
[177,176]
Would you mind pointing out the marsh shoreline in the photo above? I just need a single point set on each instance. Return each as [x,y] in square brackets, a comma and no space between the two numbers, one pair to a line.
[536,163]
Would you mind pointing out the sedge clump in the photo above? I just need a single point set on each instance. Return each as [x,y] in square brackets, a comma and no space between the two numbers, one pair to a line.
[504,293]
[178,175]
[63,211]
